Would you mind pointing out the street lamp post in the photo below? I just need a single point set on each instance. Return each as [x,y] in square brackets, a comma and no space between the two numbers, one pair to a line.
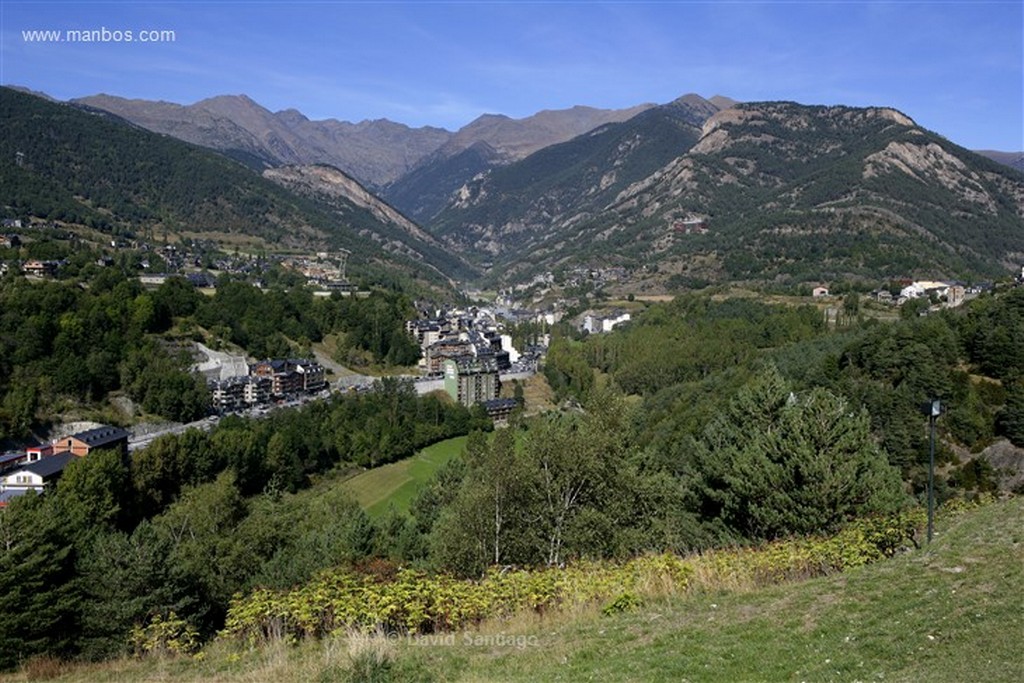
[934,410]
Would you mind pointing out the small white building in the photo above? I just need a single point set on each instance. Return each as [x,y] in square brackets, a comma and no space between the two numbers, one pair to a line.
[506,344]
[34,476]
[609,324]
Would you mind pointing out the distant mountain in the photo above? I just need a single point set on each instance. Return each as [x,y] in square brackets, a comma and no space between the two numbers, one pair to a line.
[375,152]
[490,141]
[513,207]
[86,167]
[424,191]
[518,138]
[786,193]
[1013,159]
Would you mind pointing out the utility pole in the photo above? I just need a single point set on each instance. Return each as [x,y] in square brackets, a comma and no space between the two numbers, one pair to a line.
[934,410]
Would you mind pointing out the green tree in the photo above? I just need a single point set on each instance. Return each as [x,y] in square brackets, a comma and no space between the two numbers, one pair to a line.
[774,463]
[205,553]
[489,521]
[94,493]
[38,583]
[1010,420]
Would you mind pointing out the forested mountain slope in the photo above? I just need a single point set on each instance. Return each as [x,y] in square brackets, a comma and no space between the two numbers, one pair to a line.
[61,163]
[569,184]
[787,193]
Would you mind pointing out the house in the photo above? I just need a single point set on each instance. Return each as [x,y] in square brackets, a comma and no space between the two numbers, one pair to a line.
[445,349]
[34,453]
[500,409]
[506,344]
[291,376]
[312,373]
[82,443]
[35,476]
[691,226]
[883,296]
[37,268]
[153,279]
[819,291]
[593,323]
[235,393]
[202,280]
[609,324]
[955,295]
[228,394]
[13,459]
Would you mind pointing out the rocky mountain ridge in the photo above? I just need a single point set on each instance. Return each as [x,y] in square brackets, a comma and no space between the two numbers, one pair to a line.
[512,207]
[376,152]
[773,191]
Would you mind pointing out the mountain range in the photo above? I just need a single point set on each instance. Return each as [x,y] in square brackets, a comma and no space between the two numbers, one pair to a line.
[682,194]
[772,192]
[82,166]
[375,152]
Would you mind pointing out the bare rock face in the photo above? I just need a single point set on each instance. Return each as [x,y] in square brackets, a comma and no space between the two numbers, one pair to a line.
[929,160]
[330,182]
[1008,462]
[376,152]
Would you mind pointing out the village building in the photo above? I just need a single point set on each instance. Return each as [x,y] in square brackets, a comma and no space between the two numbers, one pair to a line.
[33,476]
[291,376]
[37,268]
[595,324]
[471,380]
[500,409]
[82,443]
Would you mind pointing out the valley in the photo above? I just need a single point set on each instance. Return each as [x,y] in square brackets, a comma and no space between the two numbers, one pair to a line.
[407,395]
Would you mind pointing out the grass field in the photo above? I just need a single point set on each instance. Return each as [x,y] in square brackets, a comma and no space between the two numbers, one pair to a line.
[397,483]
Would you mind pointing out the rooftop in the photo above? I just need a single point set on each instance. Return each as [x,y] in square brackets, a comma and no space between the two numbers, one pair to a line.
[95,438]
[50,465]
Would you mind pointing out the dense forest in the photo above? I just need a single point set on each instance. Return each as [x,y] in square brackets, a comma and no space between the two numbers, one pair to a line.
[735,423]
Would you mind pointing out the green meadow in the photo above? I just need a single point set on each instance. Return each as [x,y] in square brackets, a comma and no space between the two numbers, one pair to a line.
[397,483]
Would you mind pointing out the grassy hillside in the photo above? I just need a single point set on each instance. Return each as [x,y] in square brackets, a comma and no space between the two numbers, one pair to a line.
[953,611]
[397,483]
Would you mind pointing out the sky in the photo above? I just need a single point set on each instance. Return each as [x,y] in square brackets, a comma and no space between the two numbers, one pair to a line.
[956,68]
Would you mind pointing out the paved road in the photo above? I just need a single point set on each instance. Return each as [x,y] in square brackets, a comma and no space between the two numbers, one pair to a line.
[141,441]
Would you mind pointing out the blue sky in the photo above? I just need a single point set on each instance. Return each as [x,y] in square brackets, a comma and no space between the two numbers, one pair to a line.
[955,67]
